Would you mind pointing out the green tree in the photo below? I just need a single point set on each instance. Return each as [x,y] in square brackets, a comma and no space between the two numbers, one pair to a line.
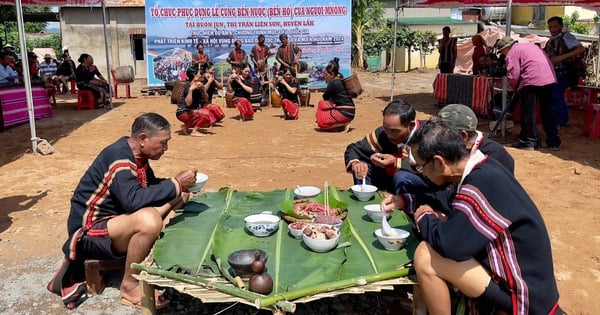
[366,15]
[407,38]
[8,18]
[426,44]
[571,23]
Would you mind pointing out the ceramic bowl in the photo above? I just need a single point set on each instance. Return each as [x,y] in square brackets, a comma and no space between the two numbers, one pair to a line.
[375,214]
[325,219]
[241,261]
[321,245]
[201,179]
[364,193]
[392,242]
[262,224]
[307,191]
[296,229]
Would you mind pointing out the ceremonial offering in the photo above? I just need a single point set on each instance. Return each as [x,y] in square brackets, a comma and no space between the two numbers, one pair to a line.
[391,241]
[307,209]
[241,261]
[375,214]
[364,192]
[307,191]
[201,179]
[320,238]
[263,224]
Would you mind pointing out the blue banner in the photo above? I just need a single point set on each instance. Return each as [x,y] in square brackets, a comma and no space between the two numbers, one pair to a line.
[322,31]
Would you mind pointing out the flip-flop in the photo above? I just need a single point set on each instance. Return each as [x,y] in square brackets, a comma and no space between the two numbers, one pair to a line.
[160,302]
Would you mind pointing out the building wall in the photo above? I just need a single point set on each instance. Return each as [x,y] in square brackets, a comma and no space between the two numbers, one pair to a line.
[82,31]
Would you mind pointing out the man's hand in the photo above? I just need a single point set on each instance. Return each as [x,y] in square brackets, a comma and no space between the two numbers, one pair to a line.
[360,169]
[383,160]
[187,178]
[391,202]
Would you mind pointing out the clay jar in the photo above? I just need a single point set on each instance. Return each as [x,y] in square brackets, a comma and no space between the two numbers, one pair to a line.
[260,281]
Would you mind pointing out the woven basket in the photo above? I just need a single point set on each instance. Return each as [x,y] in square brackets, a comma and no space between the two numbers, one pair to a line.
[352,85]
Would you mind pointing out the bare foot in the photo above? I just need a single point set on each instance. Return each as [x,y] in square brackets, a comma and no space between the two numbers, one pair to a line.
[129,299]
[197,134]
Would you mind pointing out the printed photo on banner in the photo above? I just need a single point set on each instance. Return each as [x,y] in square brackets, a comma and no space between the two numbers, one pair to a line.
[174,31]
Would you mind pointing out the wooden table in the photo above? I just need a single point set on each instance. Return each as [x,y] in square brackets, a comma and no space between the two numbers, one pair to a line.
[13,102]
[226,218]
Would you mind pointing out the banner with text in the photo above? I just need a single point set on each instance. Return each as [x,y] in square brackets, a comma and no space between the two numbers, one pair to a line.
[322,31]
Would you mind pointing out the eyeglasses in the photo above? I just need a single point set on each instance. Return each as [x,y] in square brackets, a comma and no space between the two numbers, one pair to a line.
[420,168]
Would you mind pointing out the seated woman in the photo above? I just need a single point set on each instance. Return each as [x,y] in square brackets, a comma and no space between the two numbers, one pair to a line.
[241,86]
[190,110]
[89,78]
[336,110]
[286,87]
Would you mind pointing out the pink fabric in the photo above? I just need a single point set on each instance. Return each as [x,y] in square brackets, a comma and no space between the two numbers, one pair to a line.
[14,104]
[527,64]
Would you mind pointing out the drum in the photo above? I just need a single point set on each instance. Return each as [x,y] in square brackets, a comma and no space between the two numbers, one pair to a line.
[304,97]
[301,67]
[229,100]
[177,92]
[124,74]
[275,99]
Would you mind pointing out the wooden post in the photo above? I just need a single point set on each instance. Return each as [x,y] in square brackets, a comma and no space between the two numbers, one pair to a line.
[148,298]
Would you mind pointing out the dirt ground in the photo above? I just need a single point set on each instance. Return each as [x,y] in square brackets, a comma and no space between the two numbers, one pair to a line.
[264,154]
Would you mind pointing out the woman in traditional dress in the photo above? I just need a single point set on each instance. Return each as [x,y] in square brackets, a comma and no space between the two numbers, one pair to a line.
[336,110]
[480,49]
[241,86]
[89,78]
[190,110]
[286,87]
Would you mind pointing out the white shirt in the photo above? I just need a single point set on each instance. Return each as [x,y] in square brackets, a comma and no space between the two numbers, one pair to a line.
[7,72]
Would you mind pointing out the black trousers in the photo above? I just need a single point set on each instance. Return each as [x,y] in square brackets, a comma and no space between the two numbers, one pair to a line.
[528,96]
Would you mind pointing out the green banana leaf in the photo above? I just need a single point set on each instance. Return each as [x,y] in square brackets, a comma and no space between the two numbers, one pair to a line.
[212,226]
[287,206]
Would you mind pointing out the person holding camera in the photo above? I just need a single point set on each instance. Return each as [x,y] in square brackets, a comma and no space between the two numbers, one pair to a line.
[286,86]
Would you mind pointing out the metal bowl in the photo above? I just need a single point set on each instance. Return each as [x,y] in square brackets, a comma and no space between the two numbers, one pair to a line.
[241,261]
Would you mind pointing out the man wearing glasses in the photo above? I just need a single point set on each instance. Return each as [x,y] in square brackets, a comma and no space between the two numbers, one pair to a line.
[493,246]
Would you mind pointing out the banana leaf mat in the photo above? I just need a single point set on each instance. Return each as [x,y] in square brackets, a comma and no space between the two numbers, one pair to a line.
[201,236]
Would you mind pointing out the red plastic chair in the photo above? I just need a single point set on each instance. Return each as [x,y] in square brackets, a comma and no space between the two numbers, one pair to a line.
[85,99]
[73,90]
[116,83]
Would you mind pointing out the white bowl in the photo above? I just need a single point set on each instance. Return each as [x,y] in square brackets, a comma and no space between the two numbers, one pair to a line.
[296,229]
[201,179]
[392,242]
[321,245]
[262,224]
[375,214]
[364,194]
[307,191]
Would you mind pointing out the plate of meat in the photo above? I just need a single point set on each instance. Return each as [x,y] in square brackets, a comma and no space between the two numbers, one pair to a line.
[307,209]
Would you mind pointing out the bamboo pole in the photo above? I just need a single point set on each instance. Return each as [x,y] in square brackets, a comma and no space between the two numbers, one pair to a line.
[332,286]
[247,295]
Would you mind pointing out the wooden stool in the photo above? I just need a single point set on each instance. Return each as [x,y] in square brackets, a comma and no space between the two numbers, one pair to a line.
[85,99]
[93,273]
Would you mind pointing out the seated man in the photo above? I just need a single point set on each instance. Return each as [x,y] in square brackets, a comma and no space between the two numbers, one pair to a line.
[118,209]
[493,245]
[7,72]
[379,155]
[420,191]
[48,69]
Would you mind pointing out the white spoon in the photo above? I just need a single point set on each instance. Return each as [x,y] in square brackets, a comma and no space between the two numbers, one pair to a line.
[363,186]
[299,189]
[386,230]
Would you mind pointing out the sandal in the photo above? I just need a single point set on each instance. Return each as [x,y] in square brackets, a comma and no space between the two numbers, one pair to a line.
[160,302]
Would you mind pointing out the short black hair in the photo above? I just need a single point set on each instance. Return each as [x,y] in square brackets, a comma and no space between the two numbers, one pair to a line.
[447,28]
[150,124]
[401,108]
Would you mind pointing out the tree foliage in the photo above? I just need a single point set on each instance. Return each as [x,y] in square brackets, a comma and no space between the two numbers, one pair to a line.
[366,15]
[570,22]
[11,32]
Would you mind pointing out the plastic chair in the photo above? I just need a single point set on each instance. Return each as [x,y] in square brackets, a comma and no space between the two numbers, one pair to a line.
[595,128]
[116,83]
[73,90]
[51,90]
[85,99]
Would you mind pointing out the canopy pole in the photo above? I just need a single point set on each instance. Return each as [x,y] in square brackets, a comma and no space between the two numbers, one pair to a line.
[26,77]
[394,53]
[108,73]
[504,78]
